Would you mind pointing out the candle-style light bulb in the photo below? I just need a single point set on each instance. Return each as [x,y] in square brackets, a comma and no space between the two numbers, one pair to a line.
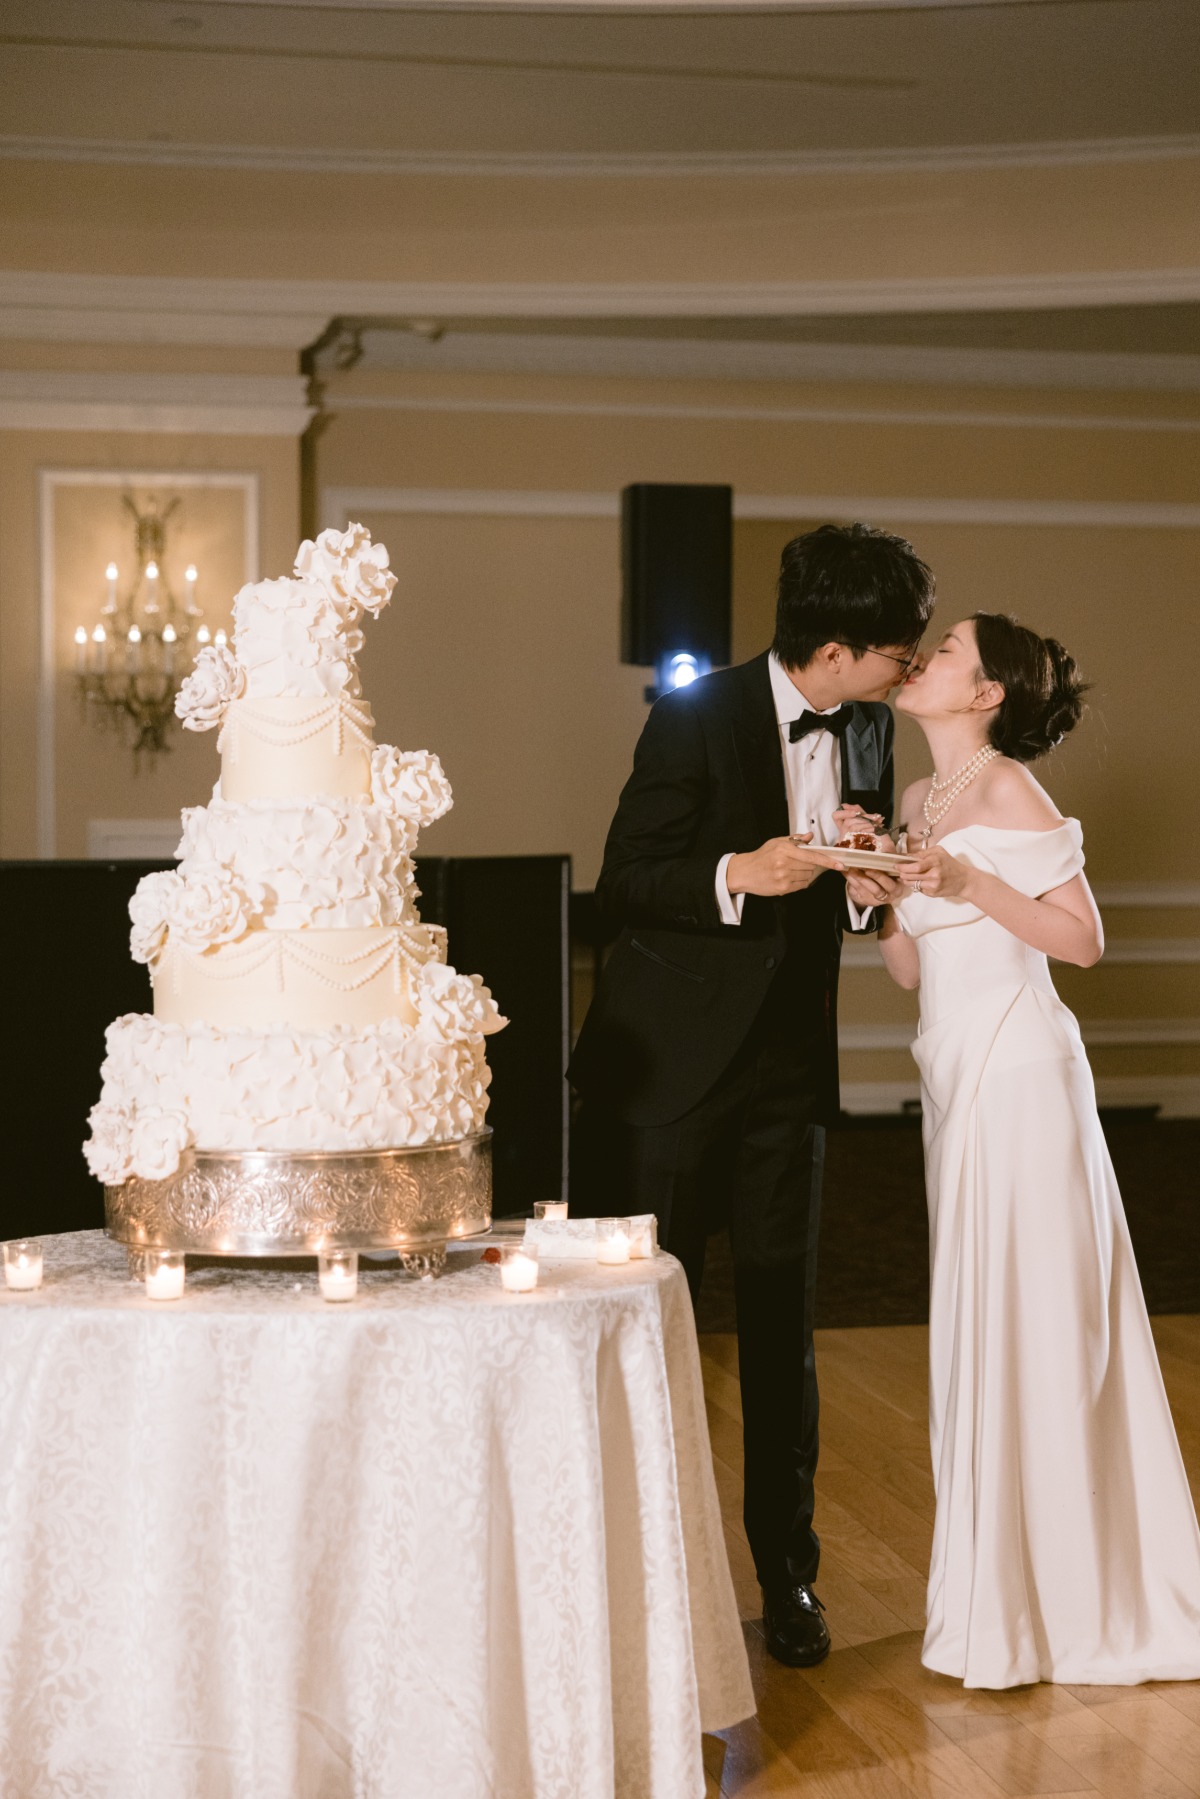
[100,649]
[152,571]
[203,636]
[111,572]
[110,575]
[81,643]
[169,635]
[189,586]
[221,639]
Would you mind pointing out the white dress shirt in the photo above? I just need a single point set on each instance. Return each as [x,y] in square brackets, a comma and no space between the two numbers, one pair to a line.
[812,772]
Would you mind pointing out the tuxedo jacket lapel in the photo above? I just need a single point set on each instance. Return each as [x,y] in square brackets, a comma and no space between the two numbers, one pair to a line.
[759,753]
[860,757]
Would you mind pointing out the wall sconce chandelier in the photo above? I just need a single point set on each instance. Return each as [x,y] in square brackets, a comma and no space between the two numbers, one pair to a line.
[128,667]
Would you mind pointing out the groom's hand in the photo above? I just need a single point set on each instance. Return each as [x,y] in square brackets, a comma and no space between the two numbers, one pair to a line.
[782,865]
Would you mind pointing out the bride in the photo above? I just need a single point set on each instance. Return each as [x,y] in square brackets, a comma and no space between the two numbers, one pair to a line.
[1065,1545]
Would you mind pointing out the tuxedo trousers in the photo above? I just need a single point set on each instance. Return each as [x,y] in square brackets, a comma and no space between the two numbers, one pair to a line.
[750,1156]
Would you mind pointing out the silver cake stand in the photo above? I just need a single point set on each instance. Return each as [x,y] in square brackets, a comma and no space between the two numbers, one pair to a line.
[251,1203]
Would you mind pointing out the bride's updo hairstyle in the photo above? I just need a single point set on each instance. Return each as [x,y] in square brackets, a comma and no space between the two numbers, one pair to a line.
[1043,690]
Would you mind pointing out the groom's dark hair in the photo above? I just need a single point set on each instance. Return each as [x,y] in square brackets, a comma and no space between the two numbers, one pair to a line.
[849,584]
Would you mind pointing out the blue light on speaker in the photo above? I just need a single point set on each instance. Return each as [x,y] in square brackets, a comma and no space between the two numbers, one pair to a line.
[681,669]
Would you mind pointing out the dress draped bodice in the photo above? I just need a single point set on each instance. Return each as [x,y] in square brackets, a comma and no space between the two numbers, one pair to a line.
[962,950]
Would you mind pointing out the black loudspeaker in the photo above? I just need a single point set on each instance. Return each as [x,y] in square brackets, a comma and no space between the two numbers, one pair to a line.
[677,568]
[506,917]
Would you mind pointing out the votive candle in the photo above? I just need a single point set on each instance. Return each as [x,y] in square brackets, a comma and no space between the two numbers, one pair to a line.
[337,1273]
[550,1208]
[518,1267]
[612,1241]
[165,1274]
[23,1264]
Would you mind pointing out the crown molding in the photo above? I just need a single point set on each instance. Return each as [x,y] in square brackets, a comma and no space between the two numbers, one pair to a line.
[811,7]
[599,165]
[764,415]
[340,504]
[58,306]
[724,359]
[218,405]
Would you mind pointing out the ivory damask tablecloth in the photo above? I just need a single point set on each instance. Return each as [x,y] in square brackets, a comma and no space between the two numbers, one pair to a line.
[441,1543]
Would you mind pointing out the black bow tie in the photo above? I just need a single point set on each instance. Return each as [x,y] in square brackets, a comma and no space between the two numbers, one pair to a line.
[819,721]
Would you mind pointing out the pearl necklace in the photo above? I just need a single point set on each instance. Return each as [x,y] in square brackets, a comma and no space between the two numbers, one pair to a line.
[934,806]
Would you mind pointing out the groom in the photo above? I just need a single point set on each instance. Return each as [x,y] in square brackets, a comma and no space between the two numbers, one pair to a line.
[707,1063]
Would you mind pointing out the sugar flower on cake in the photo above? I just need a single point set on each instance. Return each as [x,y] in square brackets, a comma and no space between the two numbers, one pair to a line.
[451,1005]
[157,1142]
[150,912]
[411,783]
[217,678]
[107,1149]
[208,906]
[353,570]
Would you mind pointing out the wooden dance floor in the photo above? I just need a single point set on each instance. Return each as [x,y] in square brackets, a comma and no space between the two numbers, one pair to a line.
[871,1723]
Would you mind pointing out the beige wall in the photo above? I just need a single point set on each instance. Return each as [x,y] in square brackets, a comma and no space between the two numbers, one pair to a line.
[503,651]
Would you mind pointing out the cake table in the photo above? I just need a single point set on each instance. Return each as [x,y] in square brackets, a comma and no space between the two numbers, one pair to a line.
[444,1541]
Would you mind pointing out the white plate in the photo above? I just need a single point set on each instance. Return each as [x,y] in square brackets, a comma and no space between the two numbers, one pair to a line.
[888,862]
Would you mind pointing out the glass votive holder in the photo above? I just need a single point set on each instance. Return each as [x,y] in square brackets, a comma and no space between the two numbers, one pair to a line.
[337,1272]
[518,1266]
[550,1208]
[165,1270]
[23,1264]
[612,1241]
[644,1242]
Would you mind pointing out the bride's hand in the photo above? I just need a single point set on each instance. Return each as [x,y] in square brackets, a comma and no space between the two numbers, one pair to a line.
[938,875]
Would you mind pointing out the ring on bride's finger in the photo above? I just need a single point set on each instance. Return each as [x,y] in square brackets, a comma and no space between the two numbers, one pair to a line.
[918,886]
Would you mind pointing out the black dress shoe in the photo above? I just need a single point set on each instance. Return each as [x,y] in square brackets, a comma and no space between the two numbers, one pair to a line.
[796,1631]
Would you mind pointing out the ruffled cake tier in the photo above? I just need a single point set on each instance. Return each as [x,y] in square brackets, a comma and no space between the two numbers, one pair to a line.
[327,864]
[169,1087]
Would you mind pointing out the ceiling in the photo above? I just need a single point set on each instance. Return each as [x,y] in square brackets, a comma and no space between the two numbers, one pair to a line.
[377,86]
[338,80]
[1103,330]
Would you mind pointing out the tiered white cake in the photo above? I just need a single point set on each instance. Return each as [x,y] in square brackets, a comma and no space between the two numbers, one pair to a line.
[299,1002]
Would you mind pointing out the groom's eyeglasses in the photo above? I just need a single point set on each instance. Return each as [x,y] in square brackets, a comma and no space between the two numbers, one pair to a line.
[904,663]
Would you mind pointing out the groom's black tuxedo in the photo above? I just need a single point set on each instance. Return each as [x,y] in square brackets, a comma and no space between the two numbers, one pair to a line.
[681,990]
[707,1063]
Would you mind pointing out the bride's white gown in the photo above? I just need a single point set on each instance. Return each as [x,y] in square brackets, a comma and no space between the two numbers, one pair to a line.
[1065,1546]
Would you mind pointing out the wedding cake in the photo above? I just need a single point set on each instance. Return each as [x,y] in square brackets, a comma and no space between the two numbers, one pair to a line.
[299,1002]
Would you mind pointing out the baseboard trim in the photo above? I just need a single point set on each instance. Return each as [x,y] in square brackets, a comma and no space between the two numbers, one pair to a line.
[1100,1033]
[1175,1096]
